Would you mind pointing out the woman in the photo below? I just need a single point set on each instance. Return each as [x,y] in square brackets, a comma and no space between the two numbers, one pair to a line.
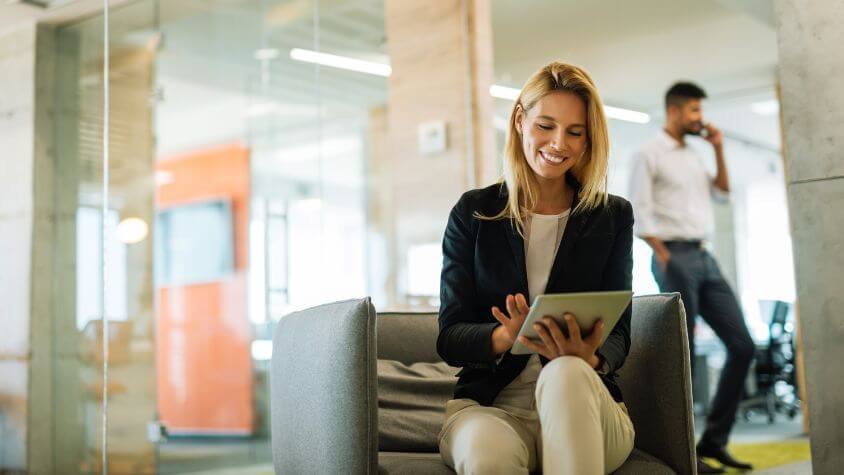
[549,227]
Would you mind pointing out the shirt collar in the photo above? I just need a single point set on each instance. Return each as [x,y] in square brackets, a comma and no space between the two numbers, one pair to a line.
[668,140]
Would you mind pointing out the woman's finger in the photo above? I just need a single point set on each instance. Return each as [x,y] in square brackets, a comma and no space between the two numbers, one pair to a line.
[556,333]
[502,319]
[594,338]
[511,306]
[521,304]
[539,348]
[542,331]
[574,329]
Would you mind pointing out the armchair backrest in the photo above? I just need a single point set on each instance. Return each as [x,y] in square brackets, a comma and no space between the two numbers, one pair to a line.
[323,390]
[409,337]
[656,381]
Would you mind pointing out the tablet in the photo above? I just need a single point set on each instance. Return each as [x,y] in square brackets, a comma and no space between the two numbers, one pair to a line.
[587,308]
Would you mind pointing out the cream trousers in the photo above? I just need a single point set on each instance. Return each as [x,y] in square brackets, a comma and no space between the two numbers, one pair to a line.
[577,428]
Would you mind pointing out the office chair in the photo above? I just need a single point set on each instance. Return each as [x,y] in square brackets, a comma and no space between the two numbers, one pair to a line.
[774,374]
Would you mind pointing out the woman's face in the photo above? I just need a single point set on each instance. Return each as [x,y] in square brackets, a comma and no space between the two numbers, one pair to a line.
[554,135]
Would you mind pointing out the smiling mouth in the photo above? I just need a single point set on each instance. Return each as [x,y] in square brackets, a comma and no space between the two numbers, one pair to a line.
[552,158]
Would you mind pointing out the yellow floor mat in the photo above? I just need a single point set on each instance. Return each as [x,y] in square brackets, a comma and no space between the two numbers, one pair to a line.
[771,454]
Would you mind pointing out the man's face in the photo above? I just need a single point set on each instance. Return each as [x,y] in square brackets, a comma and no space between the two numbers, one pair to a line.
[689,116]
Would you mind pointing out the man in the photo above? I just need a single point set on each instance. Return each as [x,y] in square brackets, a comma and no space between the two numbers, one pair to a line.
[671,193]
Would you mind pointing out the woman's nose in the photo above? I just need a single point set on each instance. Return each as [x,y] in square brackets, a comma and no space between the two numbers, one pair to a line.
[557,143]
[560,140]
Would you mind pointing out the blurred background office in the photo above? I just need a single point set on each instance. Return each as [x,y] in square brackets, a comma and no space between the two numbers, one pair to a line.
[270,155]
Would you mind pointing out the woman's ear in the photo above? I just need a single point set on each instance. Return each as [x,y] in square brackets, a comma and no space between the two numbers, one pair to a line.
[519,119]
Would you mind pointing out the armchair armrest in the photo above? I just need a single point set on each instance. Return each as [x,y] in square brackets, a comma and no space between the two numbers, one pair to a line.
[324,390]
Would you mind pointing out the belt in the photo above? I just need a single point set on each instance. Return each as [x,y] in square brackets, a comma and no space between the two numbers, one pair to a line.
[689,243]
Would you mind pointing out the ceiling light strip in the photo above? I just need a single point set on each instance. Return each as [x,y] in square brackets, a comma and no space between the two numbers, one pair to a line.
[340,62]
[511,94]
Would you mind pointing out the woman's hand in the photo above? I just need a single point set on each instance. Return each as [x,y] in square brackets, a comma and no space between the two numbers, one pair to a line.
[555,343]
[511,323]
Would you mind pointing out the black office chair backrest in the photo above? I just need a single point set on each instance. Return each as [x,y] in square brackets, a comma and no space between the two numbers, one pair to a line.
[779,351]
[778,320]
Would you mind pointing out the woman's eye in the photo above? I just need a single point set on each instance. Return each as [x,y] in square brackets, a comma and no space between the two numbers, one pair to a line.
[545,127]
[575,134]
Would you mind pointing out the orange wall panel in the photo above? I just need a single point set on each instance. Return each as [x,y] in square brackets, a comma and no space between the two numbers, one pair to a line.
[205,383]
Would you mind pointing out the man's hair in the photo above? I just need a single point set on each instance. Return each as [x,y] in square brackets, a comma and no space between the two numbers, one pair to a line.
[681,92]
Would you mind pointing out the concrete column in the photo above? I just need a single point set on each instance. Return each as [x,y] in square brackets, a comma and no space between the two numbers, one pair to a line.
[441,55]
[37,221]
[17,132]
[811,65]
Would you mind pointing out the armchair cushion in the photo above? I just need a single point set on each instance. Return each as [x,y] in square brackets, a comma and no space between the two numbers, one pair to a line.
[411,402]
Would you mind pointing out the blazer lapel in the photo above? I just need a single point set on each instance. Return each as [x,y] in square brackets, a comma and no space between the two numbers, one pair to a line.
[573,228]
[570,235]
[517,245]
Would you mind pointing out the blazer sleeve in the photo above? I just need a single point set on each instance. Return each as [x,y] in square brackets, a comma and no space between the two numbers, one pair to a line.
[618,275]
[465,337]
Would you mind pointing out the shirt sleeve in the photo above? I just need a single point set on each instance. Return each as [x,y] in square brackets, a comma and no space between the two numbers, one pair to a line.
[641,195]
[717,194]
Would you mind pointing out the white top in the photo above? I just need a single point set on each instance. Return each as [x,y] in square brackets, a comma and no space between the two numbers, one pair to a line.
[543,235]
[671,191]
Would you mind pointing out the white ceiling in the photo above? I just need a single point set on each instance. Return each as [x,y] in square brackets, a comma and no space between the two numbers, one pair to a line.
[633,49]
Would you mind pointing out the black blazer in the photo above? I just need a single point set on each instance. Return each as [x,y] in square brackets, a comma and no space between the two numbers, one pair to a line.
[483,261]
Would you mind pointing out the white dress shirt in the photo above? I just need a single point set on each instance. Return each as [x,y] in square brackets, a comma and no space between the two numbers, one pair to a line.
[671,191]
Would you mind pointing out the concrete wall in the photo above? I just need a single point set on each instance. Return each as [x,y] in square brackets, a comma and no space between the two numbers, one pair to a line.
[17,130]
[811,68]
[445,78]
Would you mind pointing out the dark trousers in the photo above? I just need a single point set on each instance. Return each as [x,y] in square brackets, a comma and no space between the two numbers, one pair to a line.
[693,273]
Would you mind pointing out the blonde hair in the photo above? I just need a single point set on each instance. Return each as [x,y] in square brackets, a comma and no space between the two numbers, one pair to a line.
[591,169]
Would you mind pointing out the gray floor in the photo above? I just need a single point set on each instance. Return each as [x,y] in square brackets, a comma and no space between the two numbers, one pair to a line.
[799,468]
[215,455]
[759,431]
[253,456]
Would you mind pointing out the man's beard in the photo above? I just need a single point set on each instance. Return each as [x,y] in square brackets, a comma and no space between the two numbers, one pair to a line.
[694,128]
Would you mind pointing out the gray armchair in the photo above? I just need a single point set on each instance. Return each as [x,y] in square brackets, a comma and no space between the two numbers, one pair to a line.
[324,388]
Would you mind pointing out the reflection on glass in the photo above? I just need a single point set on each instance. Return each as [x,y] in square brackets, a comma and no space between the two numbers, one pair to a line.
[78,319]
[204,369]
[194,243]
[239,194]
